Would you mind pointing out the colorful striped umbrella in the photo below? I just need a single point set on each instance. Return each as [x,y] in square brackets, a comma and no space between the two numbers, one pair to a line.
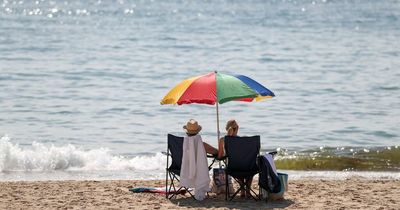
[216,88]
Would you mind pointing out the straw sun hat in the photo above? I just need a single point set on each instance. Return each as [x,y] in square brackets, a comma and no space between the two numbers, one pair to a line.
[192,127]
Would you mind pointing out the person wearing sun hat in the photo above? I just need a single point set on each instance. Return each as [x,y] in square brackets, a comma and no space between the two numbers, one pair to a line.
[194,168]
[192,128]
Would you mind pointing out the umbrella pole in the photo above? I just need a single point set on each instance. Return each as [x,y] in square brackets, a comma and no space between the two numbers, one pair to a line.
[219,149]
[217,123]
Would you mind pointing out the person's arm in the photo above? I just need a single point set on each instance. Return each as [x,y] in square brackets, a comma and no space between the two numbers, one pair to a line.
[221,149]
[210,149]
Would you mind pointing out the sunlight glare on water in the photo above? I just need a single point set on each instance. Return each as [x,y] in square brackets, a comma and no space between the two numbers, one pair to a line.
[92,73]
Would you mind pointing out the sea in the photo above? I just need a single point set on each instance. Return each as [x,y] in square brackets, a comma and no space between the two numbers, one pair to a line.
[81,83]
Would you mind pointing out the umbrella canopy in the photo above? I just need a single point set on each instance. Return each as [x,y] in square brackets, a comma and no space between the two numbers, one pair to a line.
[216,88]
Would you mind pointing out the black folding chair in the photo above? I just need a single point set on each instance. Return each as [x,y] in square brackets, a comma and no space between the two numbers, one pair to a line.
[241,162]
[175,151]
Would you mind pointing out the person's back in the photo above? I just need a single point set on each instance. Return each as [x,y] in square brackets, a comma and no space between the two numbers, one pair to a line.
[232,129]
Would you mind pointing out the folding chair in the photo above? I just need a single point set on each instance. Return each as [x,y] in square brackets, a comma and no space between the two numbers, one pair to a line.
[241,154]
[175,151]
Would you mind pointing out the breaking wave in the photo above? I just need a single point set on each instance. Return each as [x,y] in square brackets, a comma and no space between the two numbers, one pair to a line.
[341,159]
[43,157]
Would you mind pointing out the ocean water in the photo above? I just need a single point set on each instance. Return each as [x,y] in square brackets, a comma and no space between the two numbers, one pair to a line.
[81,82]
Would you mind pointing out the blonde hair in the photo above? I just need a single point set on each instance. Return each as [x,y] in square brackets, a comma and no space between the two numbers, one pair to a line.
[231,127]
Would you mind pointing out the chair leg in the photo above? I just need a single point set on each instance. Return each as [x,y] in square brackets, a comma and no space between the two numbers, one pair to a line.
[255,194]
[212,163]
[166,184]
[187,190]
[174,179]
[171,186]
[234,194]
[226,185]
[252,193]
[243,186]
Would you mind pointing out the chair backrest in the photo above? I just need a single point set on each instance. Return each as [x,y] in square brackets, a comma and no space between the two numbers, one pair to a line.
[175,146]
[242,152]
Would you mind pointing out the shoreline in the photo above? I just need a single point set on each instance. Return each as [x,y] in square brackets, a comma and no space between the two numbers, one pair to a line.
[308,193]
[65,175]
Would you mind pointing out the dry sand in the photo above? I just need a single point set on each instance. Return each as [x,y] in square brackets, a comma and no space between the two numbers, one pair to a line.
[354,193]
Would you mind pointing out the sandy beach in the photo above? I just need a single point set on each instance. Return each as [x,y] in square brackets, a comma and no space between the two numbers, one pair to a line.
[354,193]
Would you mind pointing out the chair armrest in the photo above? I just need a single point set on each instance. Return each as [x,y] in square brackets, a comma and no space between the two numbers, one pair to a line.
[216,157]
[166,153]
[273,153]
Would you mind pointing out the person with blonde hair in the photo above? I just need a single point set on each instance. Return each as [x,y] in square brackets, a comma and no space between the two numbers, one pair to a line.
[232,129]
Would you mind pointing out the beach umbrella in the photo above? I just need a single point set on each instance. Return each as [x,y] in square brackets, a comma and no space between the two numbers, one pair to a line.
[215,88]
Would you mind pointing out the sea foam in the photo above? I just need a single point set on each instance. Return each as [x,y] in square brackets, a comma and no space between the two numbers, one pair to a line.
[41,161]
[43,157]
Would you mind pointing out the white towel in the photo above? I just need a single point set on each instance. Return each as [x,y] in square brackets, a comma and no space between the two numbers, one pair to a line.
[194,168]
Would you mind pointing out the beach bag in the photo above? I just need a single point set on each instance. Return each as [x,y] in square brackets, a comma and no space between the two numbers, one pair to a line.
[283,178]
[284,187]
[219,183]
[273,184]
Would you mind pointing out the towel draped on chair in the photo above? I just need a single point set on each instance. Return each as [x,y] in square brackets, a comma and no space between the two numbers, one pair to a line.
[194,169]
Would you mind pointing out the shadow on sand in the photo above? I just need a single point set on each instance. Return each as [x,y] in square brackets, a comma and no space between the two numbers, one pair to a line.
[237,203]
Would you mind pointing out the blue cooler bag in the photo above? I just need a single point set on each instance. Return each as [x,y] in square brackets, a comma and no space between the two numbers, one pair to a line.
[284,187]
